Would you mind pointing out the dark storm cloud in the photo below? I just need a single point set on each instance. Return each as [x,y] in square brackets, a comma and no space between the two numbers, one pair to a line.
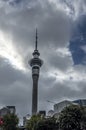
[74,7]
[53,30]
[58,62]
[46,19]
[67,90]
[56,92]
[14,86]
[59,23]
[8,74]
[18,94]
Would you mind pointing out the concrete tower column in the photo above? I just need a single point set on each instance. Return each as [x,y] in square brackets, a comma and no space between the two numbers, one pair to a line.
[35,95]
[35,63]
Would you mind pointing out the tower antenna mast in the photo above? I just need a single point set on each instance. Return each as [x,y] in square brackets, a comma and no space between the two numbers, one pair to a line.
[36,45]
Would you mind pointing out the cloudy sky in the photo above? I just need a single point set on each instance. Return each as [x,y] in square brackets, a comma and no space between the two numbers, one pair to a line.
[62,43]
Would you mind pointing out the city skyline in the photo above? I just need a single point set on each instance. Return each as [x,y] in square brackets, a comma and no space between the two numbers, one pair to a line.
[61,25]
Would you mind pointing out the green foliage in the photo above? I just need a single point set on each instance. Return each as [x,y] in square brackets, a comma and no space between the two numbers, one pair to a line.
[47,124]
[70,118]
[32,122]
[40,123]
[10,122]
[83,120]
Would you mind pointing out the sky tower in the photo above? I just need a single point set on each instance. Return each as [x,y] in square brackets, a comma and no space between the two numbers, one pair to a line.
[35,63]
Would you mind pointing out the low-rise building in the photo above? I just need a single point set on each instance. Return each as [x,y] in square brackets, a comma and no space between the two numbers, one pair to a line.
[81,102]
[12,109]
[42,113]
[61,105]
[51,113]
[25,119]
[7,110]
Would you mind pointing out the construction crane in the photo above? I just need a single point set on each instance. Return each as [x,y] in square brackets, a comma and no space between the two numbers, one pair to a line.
[50,101]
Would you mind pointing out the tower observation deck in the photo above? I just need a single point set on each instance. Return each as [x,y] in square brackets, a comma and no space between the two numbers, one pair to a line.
[35,63]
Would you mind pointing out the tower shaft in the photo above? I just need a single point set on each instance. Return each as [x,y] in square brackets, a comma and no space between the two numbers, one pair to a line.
[35,95]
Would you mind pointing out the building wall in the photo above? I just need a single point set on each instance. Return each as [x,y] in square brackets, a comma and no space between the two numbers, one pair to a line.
[4,111]
[60,106]
[81,102]
[12,109]
[7,110]
[25,119]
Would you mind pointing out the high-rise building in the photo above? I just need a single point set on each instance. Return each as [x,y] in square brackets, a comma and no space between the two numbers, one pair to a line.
[35,63]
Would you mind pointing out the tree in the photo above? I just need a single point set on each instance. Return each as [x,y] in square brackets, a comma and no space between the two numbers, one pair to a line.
[47,124]
[70,118]
[83,119]
[32,122]
[10,122]
[37,122]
